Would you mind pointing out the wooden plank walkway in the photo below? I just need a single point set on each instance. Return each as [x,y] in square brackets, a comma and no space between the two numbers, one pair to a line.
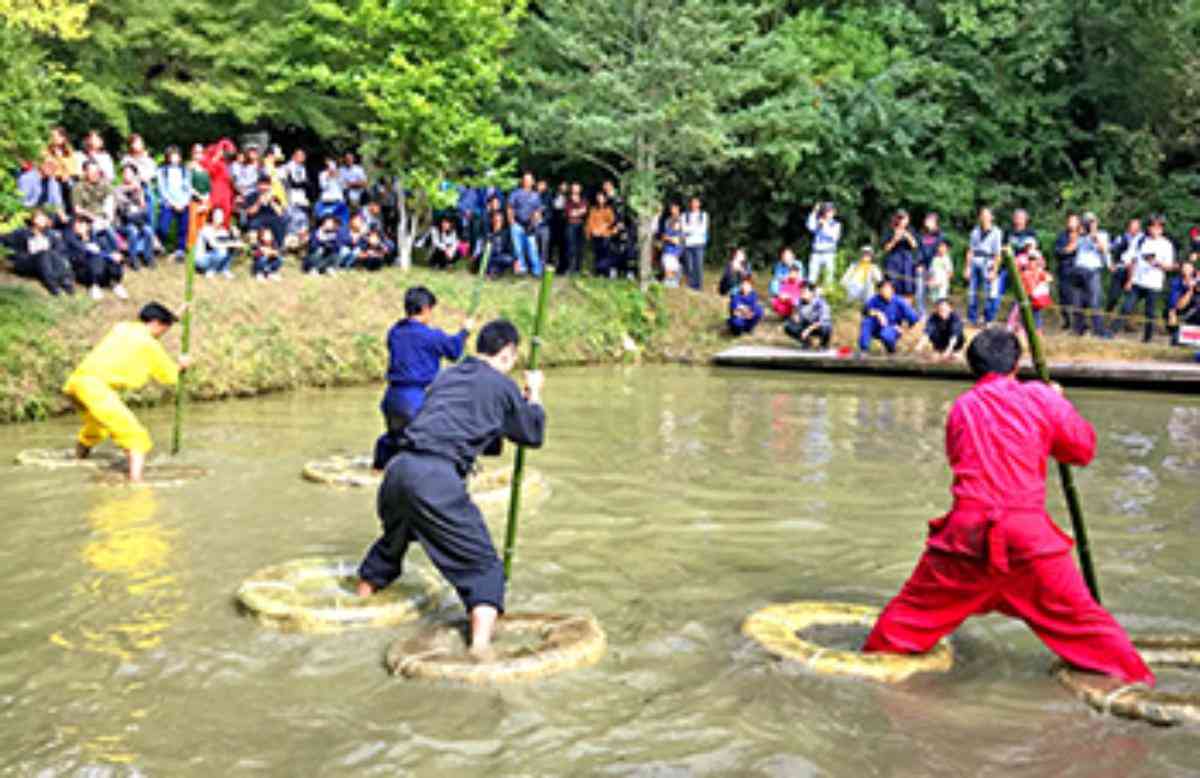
[1149,376]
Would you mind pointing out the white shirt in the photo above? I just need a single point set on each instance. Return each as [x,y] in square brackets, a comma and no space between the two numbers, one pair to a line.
[1087,253]
[695,228]
[1145,273]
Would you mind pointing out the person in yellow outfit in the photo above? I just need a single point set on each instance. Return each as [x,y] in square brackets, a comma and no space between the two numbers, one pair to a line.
[126,358]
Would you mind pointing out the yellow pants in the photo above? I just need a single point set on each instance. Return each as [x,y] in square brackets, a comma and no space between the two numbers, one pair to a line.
[105,414]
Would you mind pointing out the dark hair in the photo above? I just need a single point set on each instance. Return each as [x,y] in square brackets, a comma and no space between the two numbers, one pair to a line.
[994,350]
[495,335]
[172,149]
[153,311]
[885,282]
[417,299]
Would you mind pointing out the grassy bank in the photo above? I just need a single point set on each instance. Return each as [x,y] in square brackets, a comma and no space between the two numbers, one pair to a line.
[250,337]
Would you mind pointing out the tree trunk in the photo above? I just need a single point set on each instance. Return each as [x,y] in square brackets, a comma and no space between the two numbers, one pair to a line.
[406,229]
[646,224]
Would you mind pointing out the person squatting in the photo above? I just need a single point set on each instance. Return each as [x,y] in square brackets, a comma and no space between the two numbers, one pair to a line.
[997,549]
[469,410]
[415,352]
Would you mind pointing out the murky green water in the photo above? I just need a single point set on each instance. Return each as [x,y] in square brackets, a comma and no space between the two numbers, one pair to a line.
[683,499]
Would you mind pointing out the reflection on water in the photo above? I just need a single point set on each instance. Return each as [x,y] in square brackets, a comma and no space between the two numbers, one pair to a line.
[683,499]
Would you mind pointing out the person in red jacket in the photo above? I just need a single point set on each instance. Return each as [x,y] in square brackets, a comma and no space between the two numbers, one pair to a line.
[216,162]
[997,549]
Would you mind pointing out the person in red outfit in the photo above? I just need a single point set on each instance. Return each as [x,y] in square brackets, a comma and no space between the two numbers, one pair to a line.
[216,162]
[997,549]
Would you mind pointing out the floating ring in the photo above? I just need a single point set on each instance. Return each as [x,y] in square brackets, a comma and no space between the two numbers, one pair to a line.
[60,458]
[777,628]
[1138,701]
[317,594]
[558,642]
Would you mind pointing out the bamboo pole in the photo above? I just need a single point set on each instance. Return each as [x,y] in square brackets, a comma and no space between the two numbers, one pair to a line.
[185,342]
[1082,547]
[518,477]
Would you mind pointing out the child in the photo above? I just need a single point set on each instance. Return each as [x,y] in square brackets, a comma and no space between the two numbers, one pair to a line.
[1037,282]
[745,311]
[861,278]
[944,330]
[444,245]
[787,295]
[213,245]
[787,261]
[267,262]
[941,270]
[133,215]
[328,247]
[356,234]
[672,248]
[734,272]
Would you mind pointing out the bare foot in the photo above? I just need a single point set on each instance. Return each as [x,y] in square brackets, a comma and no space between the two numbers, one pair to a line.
[482,654]
[82,451]
[364,589]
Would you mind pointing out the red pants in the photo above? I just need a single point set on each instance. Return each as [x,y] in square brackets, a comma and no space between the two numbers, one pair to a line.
[783,306]
[1047,593]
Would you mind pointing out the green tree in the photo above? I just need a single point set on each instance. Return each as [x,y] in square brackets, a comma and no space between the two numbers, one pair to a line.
[647,90]
[413,80]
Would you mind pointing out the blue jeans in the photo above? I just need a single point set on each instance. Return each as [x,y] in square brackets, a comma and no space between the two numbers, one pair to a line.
[168,216]
[1088,294]
[526,250]
[980,287]
[693,265]
[213,261]
[141,243]
[919,297]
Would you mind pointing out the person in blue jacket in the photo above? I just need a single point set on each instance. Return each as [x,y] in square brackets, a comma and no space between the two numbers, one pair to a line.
[415,352]
[745,311]
[883,316]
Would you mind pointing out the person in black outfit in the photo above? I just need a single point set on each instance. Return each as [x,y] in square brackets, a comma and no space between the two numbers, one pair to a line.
[37,252]
[944,330]
[469,409]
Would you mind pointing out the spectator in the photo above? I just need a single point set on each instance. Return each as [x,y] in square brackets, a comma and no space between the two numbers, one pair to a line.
[826,234]
[94,266]
[133,219]
[982,269]
[737,269]
[1021,238]
[246,172]
[146,167]
[93,200]
[214,246]
[883,317]
[37,252]
[353,179]
[40,189]
[544,218]
[216,162]
[267,262]
[672,246]
[199,205]
[1064,251]
[1184,306]
[356,233]
[900,256]
[1036,282]
[93,151]
[558,225]
[1123,252]
[745,311]
[330,247]
[941,270]
[444,245]
[812,320]
[332,201]
[296,246]
[861,278]
[944,330]
[784,301]
[1091,260]
[576,212]
[524,206]
[175,185]
[928,246]
[65,162]
[600,228]
[373,252]
[273,166]
[783,268]
[265,209]
[695,241]
[295,180]
[499,239]
[1155,257]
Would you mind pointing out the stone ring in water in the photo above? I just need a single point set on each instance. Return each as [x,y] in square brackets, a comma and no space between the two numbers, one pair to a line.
[1138,701]
[58,458]
[777,628]
[317,594]
[489,487]
[555,642]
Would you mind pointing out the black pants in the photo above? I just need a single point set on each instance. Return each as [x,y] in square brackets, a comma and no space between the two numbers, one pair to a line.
[388,444]
[424,498]
[48,267]
[795,331]
[1066,292]
[573,261]
[1150,296]
[440,259]
[270,221]
[942,342]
